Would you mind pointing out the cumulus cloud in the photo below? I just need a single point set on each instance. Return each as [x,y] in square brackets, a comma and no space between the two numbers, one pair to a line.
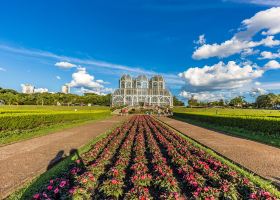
[65,65]
[230,47]
[102,82]
[81,78]
[257,91]
[269,55]
[99,91]
[203,96]
[40,90]
[267,22]
[220,76]
[58,77]
[273,64]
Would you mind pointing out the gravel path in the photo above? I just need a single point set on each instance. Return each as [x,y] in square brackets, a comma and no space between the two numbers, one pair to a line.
[262,159]
[23,161]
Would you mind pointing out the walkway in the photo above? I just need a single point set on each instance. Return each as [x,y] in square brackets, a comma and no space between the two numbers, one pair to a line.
[25,160]
[262,159]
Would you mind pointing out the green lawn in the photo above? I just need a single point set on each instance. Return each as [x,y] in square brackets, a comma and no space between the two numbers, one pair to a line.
[254,124]
[24,122]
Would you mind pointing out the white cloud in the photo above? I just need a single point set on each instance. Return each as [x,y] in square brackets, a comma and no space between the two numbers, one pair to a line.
[257,83]
[271,85]
[249,52]
[58,77]
[99,91]
[102,82]
[201,40]
[2,69]
[65,65]
[259,2]
[40,90]
[81,78]
[257,91]
[203,96]
[230,47]
[273,64]
[269,55]
[220,76]
[267,22]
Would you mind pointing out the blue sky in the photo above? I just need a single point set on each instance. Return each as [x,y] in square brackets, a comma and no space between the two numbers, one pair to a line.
[90,44]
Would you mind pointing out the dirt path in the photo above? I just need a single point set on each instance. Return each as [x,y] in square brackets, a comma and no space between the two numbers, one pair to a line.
[262,159]
[23,161]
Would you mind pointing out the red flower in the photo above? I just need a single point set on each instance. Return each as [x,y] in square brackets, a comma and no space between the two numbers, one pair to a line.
[114,181]
[36,196]
[56,190]
[62,183]
[253,196]
[50,187]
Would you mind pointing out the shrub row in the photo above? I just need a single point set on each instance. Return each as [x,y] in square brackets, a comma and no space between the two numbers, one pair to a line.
[266,125]
[11,122]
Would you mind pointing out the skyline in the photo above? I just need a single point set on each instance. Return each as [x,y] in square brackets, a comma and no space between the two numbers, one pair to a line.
[209,50]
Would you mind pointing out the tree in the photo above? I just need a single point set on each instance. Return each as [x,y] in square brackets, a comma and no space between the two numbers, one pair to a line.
[268,101]
[193,102]
[238,101]
[177,102]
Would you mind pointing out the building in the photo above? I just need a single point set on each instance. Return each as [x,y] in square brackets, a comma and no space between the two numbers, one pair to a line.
[27,88]
[65,89]
[142,91]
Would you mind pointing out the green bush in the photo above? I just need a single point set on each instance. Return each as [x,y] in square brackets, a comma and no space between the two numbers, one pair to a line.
[25,121]
[266,125]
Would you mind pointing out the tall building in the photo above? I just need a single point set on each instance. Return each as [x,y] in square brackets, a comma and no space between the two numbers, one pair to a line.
[27,88]
[65,89]
[142,91]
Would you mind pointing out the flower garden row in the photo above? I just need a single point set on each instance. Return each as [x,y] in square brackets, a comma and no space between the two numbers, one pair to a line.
[143,159]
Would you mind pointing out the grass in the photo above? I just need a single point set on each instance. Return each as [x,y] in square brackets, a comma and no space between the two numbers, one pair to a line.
[16,136]
[31,187]
[24,122]
[230,112]
[265,184]
[234,131]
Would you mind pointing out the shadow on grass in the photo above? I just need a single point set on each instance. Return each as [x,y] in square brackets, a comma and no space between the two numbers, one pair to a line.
[58,167]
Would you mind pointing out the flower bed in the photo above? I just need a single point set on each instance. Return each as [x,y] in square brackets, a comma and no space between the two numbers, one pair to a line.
[143,159]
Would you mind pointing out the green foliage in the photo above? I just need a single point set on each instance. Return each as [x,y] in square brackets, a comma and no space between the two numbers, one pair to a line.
[177,102]
[11,97]
[268,101]
[267,125]
[238,101]
[24,122]
[10,122]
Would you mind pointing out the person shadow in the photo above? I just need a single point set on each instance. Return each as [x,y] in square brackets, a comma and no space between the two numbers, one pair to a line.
[52,172]
[59,157]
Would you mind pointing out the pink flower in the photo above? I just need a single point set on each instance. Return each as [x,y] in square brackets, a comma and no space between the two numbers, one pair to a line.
[50,187]
[51,181]
[78,161]
[62,184]
[114,181]
[36,196]
[253,196]
[246,181]
[56,190]
[45,195]
[72,190]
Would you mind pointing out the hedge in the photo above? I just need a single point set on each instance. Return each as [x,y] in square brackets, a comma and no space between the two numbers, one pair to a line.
[267,125]
[11,122]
